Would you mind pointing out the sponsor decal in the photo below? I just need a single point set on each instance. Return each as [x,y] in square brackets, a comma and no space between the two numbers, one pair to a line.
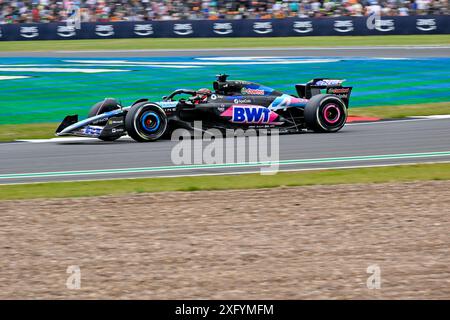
[116,130]
[92,130]
[143,29]
[168,104]
[339,90]
[213,96]
[223,28]
[183,29]
[242,101]
[250,114]
[100,120]
[65,31]
[384,25]
[287,101]
[329,82]
[343,25]
[29,32]
[104,30]
[252,91]
[115,122]
[262,27]
[426,24]
[303,26]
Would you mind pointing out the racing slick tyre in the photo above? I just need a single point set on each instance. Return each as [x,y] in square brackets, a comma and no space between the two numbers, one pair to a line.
[146,121]
[325,113]
[103,106]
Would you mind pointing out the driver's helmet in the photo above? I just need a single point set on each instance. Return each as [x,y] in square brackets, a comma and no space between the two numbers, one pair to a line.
[202,94]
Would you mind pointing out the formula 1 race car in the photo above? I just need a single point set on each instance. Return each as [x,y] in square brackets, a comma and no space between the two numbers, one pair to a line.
[321,106]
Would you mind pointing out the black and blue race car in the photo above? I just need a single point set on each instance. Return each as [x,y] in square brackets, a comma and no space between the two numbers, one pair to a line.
[320,105]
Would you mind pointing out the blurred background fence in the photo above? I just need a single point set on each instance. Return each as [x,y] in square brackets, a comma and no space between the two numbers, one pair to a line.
[343,25]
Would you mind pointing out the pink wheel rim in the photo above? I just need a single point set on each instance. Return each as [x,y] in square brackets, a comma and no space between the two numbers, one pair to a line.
[332,113]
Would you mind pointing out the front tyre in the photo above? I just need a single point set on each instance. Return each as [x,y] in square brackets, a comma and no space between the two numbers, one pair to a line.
[146,121]
[325,113]
[103,106]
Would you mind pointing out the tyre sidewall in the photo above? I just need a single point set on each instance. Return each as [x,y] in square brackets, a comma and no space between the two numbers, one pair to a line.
[314,113]
[133,122]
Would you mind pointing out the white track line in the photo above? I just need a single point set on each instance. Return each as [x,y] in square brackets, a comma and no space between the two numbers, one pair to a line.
[406,120]
[436,117]
[234,173]
[65,139]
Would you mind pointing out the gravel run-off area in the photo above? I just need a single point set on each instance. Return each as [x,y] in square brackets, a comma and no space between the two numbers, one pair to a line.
[283,243]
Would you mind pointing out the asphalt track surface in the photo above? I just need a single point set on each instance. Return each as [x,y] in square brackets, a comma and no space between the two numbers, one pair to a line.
[360,144]
[363,144]
[357,51]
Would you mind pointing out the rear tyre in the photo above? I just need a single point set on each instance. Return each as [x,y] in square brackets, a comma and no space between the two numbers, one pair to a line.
[146,121]
[325,113]
[106,105]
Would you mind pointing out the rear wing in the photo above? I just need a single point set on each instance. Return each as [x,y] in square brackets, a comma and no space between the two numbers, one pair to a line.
[330,86]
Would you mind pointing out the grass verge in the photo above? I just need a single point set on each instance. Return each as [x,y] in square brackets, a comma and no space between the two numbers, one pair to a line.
[425,109]
[11,132]
[248,181]
[208,43]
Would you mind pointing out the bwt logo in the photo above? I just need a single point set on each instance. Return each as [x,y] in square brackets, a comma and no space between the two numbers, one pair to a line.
[262,27]
[66,31]
[183,29]
[250,115]
[426,24]
[29,32]
[105,30]
[143,29]
[223,28]
[343,25]
[303,26]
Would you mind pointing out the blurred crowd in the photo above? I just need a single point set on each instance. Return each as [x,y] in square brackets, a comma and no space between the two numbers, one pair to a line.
[25,11]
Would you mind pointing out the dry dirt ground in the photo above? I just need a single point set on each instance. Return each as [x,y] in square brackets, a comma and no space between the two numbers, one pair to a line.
[285,243]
